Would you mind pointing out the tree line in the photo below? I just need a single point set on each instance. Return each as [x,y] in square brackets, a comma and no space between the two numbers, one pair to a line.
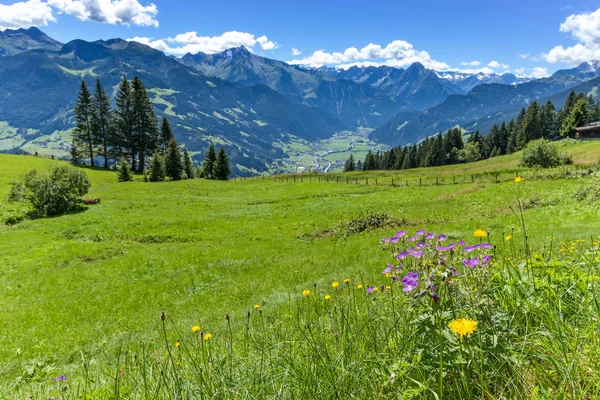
[131,134]
[534,122]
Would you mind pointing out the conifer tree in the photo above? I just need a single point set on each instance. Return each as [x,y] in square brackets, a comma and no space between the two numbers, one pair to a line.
[222,166]
[173,164]
[101,123]
[359,165]
[124,137]
[188,165]
[84,114]
[208,166]
[577,117]
[123,171]
[166,134]
[349,165]
[156,168]
[145,122]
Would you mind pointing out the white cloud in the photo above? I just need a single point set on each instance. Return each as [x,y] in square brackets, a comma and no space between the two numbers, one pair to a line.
[520,71]
[296,52]
[540,72]
[470,63]
[496,64]
[190,42]
[398,53]
[115,12]
[524,56]
[584,28]
[25,15]
[266,44]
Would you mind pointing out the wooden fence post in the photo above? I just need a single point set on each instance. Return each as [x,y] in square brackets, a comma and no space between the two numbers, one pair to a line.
[420,181]
[392,181]
[436,180]
[367,181]
[375,181]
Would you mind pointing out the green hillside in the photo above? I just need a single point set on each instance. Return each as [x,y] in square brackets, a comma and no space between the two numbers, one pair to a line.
[84,284]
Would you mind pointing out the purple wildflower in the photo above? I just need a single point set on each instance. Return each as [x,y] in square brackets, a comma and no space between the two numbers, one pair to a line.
[413,238]
[430,236]
[385,240]
[487,246]
[400,234]
[461,243]
[471,263]
[417,254]
[442,248]
[435,297]
[410,282]
[486,260]
[402,255]
[371,289]
[469,249]
[420,232]
[387,270]
[451,246]
[441,238]
[382,288]
[60,378]
[393,240]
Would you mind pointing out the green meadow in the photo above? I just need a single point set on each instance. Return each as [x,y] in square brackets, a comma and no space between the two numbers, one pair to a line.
[77,289]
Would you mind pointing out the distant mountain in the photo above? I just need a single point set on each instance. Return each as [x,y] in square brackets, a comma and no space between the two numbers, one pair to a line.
[467,81]
[352,103]
[20,40]
[39,88]
[415,88]
[484,101]
[586,69]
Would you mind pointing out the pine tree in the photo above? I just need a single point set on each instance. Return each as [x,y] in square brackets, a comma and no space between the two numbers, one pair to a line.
[156,168]
[83,114]
[166,134]
[124,135]
[548,121]
[173,164]
[208,166]
[188,165]
[577,117]
[123,171]
[222,166]
[101,123]
[349,165]
[359,165]
[75,152]
[145,122]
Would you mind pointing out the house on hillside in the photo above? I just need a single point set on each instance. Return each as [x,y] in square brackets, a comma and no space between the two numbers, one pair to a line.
[588,132]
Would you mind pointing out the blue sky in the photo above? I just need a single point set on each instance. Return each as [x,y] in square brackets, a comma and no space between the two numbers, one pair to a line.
[527,37]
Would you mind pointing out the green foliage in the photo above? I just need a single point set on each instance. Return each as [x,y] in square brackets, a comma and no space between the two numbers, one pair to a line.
[166,134]
[156,168]
[577,117]
[350,164]
[543,154]
[470,153]
[173,164]
[222,166]
[83,113]
[188,165]
[363,223]
[102,122]
[124,174]
[590,191]
[209,163]
[55,191]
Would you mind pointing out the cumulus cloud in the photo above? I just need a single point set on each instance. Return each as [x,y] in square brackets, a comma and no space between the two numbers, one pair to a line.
[398,53]
[585,29]
[524,56]
[190,42]
[470,63]
[496,64]
[296,52]
[540,72]
[25,15]
[115,12]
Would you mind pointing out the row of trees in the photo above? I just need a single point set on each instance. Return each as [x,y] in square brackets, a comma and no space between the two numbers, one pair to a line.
[533,123]
[130,133]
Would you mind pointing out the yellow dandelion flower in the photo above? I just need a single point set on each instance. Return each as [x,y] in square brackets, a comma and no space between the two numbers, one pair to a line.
[388,287]
[335,285]
[346,280]
[327,297]
[305,292]
[375,289]
[509,237]
[177,344]
[518,179]
[480,233]
[207,336]
[195,328]
[256,306]
[463,326]
[387,275]
[359,286]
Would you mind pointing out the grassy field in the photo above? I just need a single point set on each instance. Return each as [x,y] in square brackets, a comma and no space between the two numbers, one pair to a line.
[81,285]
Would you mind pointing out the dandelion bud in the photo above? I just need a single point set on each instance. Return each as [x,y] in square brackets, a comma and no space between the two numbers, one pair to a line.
[163,316]
[227,317]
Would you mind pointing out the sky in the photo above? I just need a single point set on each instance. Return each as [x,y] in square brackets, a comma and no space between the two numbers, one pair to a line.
[525,37]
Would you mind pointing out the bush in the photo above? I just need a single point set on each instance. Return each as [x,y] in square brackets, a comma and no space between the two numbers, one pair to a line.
[124,174]
[156,168]
[55,191]
[543,154]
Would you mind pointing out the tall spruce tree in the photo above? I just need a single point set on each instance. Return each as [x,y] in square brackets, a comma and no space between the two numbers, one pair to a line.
[173,164]
[208,166]
[124,137]
[83,112]
[156,168]
[102,121]
[145,122]
[188,165]
[166,134]
[349,165]
[222,166]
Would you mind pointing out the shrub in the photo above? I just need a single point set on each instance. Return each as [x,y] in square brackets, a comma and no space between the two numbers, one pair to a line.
[123,172]
[543,154]
[55,191]
[156,170]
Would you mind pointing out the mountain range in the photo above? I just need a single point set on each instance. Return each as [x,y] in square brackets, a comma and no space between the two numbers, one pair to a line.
[253,105]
